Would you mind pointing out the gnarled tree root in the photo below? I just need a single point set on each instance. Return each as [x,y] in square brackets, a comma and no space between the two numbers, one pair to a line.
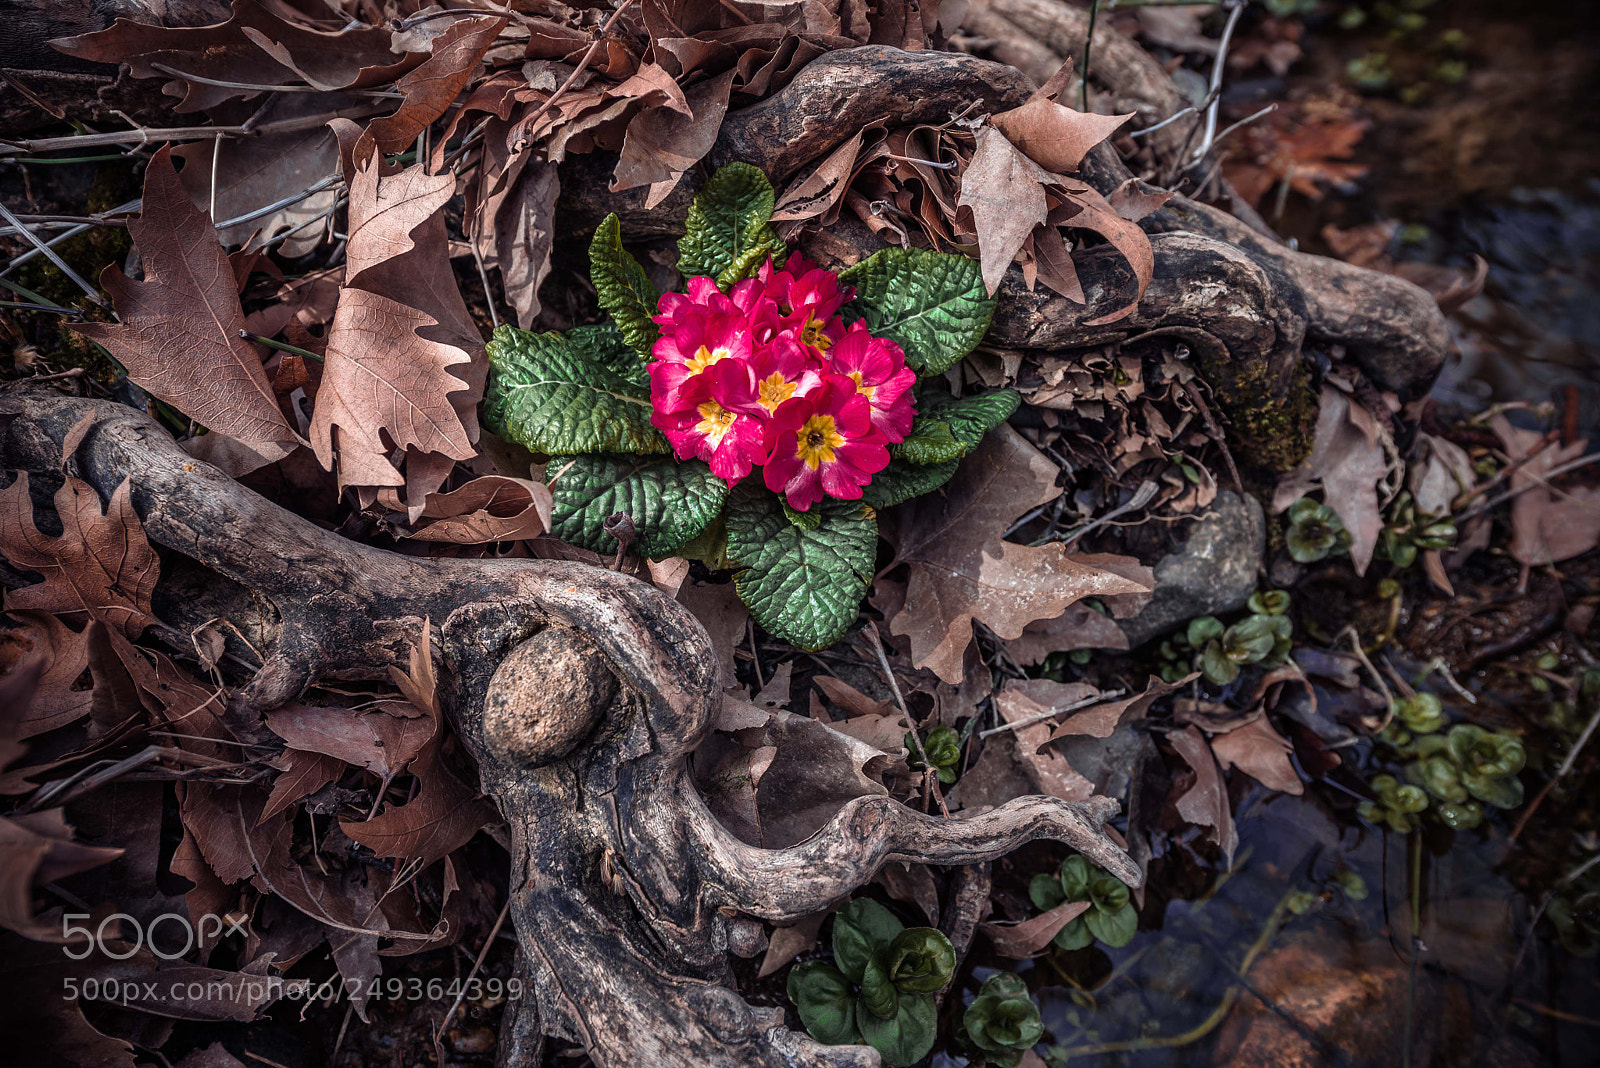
[580,693]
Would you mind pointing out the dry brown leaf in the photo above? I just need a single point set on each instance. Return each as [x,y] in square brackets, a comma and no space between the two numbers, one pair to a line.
[1053,135]
[431,88]
[513,231]
[100,567]
[1205,803]
[1548,524]
[381,741]
[60,655]
[1024,702]
[302,774]
[441,817]
[821,190]
[404,359]
[1020,941]
[961,570]
[489,508]
[37,848]
[1004,190]
[662,142]
[1260,752]
[1096,214]
[1100,720]
[852,700]
[254,47]
[179,334]
[1349,460]
[1079,627]
[788,943]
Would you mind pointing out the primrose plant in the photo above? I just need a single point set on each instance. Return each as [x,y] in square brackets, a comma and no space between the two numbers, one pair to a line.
[1110,916]
[757,420]
[1003,1022]
[879,988]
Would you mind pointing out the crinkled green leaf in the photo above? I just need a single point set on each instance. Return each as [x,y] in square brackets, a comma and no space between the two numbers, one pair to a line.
[728,219]
[825,1000]
[878,994]
[932,304]
[1108,893]
[860,929]
[604,344]
[804,520]
[746,263]
[544,393]
[670,503]
[947,428]
[804,586]
[624,291]
[907,1037]
[921,960]
[1113,928]
[1076,875]
[903,480]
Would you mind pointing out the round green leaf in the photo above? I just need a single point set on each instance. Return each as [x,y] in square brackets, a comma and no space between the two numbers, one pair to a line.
[921,960]
[825,1001]
[907,1037]
[1113,928]
[861,928]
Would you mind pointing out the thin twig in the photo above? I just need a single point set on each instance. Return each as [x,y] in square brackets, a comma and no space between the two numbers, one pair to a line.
[146,135]
[476,965]
[1140,498]
[1088,43]
[279,205]
[1216,435]
[1217,69]
[50,254]
[1092,699]
[1361,655]
[1247,120]
[1566,766]
[257,88]
[1538,481]
[27,306]
[930,776]
[583,65]
[281,346]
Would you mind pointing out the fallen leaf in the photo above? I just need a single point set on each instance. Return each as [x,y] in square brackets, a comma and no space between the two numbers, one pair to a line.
[1053,135]
[179,334]
[1031,703]
[1348,458]
[662,143]
[787,943]
[1205,803]
[1548,524]
[37,848]
[100,567]
[513,229]
[852,700]
[1004,190]
[961,570]
[1100,720]
[1260,752]
[301,774]
[381,742]
[61,656]
[433,86]
[1020,941]
[489,508]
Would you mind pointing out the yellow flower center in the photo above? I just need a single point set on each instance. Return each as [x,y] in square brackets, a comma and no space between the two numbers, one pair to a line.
[865,391]
[775,389]
[715,421]
[813,334]
[704,358]
[817,440]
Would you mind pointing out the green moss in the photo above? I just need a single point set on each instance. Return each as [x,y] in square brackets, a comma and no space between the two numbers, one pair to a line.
[1267,432]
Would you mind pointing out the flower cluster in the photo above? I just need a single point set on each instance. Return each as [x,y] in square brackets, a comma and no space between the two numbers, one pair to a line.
[767,375]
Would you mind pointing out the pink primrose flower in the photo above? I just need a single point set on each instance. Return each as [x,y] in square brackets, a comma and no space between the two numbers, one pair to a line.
[823,443]
[716,420]
[878,368]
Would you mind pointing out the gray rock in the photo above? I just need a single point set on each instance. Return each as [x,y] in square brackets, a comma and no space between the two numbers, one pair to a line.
[1213,572]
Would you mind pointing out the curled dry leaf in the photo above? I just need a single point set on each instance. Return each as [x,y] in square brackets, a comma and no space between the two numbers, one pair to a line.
[961,570]
[1026,702]
[179,334]
[1205,803]
[1349,459]
[489,508]
[1053,135]
[60,655]
[1260,752]
[37,848]
[431,88]
[1004,190]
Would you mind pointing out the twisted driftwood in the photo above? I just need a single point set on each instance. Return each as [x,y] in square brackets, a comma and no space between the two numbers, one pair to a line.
[580,693]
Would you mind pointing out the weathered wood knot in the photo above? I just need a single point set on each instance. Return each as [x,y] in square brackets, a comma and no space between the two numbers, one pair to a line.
[546,697]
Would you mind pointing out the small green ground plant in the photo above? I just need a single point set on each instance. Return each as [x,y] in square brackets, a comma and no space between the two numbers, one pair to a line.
[1002,1023]
[1111,917]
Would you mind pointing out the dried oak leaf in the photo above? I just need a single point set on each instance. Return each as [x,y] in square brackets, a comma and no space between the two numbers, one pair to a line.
[1548,525]
[1004,190]
[1205,803]
[101,566]
[431,88]
[383,741]
[254,47]
[961,570]
[1053,135]
[1261,753]
[61,655]
[179,335]
[404,360]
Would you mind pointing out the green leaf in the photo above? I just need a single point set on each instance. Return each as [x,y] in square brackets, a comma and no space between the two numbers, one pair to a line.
[727,221]
[1045,892]
[903,480]
[544,393]
[1113,928]
[803,520]
[860,929]
[804,586]
[878,994]
[1076,874]
[670,503]
[747,262]
[1108,893]
[907,1037]
[604,344]
[948,429]
[921,960]
[1216,664]
[932,304]
[1203,629]
[1075,935]
[825,1000]
[624,290]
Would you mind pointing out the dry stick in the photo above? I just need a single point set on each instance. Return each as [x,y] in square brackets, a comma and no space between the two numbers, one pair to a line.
[278,205]
[930,777]
[255,88]
[1566,766]
[476,964]
[145,135]
[1092,699]
[1505,472]
[1140,498]
[50,254]
[1217,69]
[1216,434]
[1088,43]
